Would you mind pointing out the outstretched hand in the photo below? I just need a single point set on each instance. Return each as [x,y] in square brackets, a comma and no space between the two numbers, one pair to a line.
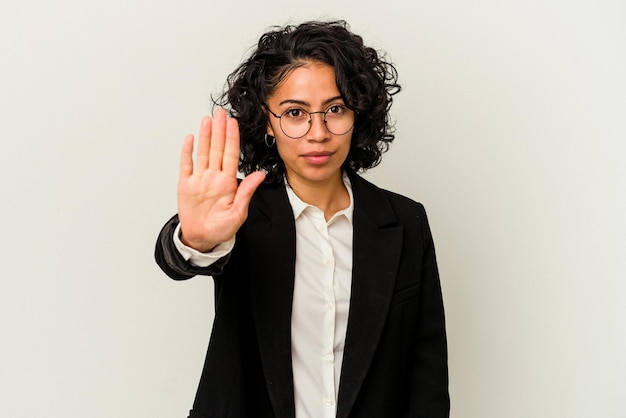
[212,206]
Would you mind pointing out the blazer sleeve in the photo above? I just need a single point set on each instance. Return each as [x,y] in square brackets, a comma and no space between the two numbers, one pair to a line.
[429,374]
[172,262]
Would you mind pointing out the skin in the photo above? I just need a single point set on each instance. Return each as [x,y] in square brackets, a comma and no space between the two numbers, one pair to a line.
[212,206]
[313,163]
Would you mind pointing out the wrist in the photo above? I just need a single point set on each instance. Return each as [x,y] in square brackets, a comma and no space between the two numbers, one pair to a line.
[198,245]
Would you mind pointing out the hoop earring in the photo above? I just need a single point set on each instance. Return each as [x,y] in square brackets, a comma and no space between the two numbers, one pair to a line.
[273,141]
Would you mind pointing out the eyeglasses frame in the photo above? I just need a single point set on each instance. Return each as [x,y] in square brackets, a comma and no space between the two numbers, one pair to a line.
[310,121]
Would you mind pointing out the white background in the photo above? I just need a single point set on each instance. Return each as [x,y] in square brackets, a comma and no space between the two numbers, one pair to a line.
[510,129]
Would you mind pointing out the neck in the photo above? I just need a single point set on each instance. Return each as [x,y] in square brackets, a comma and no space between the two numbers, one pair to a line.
[330,196]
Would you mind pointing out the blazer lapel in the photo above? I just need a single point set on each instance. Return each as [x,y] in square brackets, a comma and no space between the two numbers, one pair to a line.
[377,245]
[271,238]
[271,248]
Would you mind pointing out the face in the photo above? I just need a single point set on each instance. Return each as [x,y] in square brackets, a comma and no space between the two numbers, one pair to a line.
[316,158]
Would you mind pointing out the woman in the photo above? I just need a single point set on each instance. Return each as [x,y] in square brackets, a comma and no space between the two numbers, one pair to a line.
[327,296]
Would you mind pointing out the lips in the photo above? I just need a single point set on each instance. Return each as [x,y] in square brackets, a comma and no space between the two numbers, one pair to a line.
[317,157]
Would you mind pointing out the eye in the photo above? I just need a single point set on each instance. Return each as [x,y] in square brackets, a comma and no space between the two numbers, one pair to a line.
[336,110]
[294,113]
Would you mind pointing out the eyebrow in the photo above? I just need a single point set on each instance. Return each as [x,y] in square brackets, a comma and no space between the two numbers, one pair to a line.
[304,103]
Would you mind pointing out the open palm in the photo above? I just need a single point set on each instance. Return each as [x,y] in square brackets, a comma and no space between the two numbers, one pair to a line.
[212,204]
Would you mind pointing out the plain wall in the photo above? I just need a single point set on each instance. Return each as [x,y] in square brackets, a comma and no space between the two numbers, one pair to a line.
[511,129]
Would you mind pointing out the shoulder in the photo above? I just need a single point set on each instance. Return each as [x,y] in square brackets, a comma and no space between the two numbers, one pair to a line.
[402,205]
[269,194]
[401,201]
[384,208]
[269,201]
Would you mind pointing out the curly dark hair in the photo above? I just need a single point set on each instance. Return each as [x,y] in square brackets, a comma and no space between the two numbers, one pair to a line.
[366,82]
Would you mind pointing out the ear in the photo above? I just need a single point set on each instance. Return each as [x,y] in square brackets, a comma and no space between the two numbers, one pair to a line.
[269,129]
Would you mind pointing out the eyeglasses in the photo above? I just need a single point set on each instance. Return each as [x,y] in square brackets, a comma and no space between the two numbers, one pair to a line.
[296,122]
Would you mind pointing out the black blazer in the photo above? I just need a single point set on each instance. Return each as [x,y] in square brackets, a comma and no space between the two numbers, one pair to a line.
[395,359]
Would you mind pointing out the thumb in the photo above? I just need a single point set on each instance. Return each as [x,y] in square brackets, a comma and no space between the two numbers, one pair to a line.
[246,189]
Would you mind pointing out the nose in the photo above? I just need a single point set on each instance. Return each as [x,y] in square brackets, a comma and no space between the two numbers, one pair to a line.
[318,131]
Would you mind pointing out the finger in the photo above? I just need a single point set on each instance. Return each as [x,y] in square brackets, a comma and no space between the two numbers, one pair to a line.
[246,189]
[218,137]
[204,143]
[230,162]
[186,160]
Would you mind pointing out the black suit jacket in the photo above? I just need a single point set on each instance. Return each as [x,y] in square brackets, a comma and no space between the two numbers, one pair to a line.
[395,359]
